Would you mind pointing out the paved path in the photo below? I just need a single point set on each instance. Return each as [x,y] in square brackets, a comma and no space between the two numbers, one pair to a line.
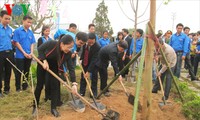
[194,85]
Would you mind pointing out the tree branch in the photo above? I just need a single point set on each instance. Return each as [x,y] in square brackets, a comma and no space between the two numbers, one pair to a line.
[124,12]
[132,5]
[144,11]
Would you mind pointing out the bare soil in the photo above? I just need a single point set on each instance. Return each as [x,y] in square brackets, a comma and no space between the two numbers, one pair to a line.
[118,101]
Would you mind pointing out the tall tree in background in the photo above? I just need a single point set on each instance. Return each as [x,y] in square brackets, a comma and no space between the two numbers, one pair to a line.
[101,20]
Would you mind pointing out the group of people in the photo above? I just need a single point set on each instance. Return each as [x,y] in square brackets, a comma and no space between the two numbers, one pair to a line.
[178,47]
[60,55]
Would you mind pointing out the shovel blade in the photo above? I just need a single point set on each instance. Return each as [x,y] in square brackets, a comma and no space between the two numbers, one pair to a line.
[111,115]
[77,105]
[99,106]
[131,99]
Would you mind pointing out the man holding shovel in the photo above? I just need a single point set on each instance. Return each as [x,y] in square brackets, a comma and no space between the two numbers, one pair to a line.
[171,58]
[89,58]
[106,54]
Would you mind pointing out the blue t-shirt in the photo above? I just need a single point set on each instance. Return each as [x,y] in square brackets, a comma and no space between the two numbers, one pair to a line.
[139,43]
[179,43]
[62,31]
[103,42]
[25,39]
[44,39]
[5,38]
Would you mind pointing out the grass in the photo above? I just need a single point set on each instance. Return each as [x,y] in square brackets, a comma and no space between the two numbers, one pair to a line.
[18,106]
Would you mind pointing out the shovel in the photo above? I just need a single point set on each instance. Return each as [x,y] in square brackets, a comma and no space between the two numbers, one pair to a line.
[161,86]
[161,104]
[164,104]
[110,115]
[97,104]
[131,97]
[75,103]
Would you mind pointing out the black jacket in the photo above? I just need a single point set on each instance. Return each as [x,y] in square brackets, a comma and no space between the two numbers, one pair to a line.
[50,51]
[128,40]
[92,57]
[109,53]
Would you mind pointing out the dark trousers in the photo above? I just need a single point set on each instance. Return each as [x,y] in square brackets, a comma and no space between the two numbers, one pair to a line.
[23,65]
[5,67]
[94,79]
[121,63]
[196,63]
[192,59]
[189,67]
[177,68]
[126,61]
[168,82]
[53,84]
[42,77]
[103,72]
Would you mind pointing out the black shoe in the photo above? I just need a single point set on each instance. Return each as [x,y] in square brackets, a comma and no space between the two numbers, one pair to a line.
[24,88]
[55,112]
[166,98]
[82,94]
[195,79]
[154,91]
[107,94]
[59,104]
[47,98]
[6,92]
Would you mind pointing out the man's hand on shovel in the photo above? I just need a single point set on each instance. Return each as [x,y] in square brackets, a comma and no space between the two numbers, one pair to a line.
[45,65]
[120,79]
[86,75]
[158,74]
[74,88]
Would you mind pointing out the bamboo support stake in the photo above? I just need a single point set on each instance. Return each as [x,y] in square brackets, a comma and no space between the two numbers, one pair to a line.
[141,66]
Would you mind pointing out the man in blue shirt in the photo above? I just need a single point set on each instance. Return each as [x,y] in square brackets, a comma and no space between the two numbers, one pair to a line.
[179,43]
[5,51]
[91,29]
[71,31]
[188,64]
[24,42]
[139,42]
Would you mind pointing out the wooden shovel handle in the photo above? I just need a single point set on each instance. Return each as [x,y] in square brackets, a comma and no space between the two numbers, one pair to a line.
[88,83]
[161,86]
[124,88]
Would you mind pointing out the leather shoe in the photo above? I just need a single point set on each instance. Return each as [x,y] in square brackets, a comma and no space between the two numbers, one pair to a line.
[153,91]
[55,112]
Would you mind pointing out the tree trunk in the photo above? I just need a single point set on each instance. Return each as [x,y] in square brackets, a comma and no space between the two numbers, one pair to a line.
[148,66]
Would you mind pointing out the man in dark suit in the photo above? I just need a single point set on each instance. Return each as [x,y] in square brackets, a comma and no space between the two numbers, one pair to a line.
[128,39]
[109,53]
[89,58]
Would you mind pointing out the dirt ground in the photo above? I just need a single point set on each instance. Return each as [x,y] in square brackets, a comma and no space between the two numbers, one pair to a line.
[118,101]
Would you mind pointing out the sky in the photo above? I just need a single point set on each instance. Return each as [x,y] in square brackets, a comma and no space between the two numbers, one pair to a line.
[82,12]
